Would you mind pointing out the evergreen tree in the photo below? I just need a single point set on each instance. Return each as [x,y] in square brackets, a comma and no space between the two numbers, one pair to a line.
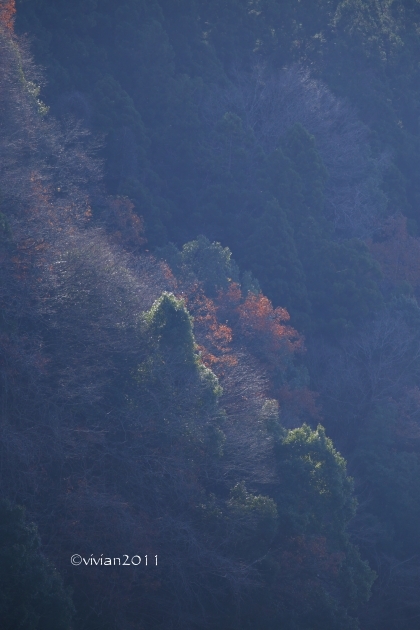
[32,596]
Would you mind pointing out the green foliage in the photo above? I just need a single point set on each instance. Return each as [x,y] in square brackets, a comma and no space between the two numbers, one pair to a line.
[170,86]
[209,262]
[32,596]
[320,498]
[170,324]
[174,385]
[192,160]
[311,547]
[318,502]
[249,283]
[256,521]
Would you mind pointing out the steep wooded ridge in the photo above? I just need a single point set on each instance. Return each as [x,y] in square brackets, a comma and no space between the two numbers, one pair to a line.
[157,396]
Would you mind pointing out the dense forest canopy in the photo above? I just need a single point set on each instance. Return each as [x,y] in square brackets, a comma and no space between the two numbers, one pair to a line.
[209,317]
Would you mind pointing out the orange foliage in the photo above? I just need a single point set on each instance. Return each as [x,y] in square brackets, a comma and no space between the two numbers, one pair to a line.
[258,322]
[266,333]
[398,253]
[252,321]
[217,337]
[7,13]
[258,318]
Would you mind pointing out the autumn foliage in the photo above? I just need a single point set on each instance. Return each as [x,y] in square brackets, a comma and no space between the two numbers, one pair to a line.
[267,325]
[232,319]
[7,13]
[232,323]
[215,339]
[110,422]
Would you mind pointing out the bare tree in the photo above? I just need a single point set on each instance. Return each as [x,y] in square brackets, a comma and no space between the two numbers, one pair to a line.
[271,103]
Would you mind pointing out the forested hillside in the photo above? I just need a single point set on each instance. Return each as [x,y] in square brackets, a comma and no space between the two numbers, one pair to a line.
[209,318]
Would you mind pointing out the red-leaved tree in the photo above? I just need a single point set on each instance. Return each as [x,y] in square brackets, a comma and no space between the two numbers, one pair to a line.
[7,13]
